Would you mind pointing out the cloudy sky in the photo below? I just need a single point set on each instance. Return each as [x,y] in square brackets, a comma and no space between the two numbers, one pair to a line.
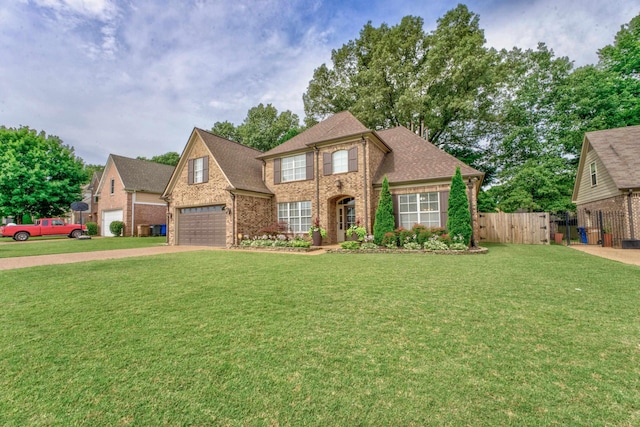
[133,77]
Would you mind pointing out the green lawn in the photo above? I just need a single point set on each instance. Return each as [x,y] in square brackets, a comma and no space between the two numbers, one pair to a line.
[63,245]
[522,336]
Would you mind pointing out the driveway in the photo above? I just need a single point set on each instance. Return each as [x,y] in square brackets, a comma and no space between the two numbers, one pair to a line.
[627,256]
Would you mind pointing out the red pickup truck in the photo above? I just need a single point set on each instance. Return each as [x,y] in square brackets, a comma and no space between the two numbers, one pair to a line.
[42,227]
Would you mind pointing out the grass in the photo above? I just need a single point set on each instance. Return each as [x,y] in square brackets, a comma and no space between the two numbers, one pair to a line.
[63,245]
[522,336]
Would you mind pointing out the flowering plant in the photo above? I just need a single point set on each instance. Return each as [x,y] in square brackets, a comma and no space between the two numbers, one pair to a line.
[316,227]
[358,230]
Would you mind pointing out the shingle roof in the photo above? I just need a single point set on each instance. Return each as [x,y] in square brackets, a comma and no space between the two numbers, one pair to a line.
[414,159]
[336,126]
[142,175]
[619,151]
[238,162]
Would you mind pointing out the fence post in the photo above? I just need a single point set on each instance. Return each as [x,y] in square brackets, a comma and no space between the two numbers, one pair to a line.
[566,223]
[600,229]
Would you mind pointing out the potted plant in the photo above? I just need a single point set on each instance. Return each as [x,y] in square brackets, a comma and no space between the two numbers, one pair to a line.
[317,233]
[356,232]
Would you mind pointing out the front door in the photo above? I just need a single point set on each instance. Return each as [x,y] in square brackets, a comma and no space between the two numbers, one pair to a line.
[345,216]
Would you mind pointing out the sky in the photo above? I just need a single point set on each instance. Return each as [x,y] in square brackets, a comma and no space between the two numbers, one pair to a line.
[134,77]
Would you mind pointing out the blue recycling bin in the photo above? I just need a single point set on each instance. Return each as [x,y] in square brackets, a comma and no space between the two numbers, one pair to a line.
[583,235]
[163,229]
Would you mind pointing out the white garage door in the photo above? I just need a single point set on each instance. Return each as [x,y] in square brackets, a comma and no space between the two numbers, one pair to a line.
[203,226]
[107,218]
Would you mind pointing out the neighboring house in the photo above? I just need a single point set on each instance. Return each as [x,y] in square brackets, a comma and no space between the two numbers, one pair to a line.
[222,191]
[88,197]
[608,177]
[129,191]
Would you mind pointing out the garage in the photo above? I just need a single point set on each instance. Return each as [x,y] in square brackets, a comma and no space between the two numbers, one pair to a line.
[202,226]
[107,218]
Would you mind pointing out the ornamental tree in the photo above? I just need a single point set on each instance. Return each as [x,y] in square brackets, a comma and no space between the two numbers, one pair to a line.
[385,221]
[459,217]
[38,174]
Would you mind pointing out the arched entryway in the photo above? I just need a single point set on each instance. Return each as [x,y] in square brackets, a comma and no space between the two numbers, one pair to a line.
[345,216]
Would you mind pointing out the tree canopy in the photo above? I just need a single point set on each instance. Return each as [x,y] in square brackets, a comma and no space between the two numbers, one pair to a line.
[171,158]
[38,174]
[262,129]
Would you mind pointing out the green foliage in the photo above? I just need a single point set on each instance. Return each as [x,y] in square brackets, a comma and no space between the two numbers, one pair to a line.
[27,219]
[399,75]
[38,174]
[92,228]
[486,202]
[358,230]
[89,170]
[262,129]
[116,228]
[350,245]
[385,221]
[459,217]
[171,158]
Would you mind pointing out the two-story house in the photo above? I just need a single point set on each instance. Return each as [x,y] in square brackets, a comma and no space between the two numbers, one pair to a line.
[221,190]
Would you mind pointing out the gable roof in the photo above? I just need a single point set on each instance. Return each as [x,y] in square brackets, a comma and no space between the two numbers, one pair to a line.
[141,175]
[415,159]
[619,151]
[237,162]
[339,125]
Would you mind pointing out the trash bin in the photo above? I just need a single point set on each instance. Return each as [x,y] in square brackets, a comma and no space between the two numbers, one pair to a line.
[163,229]
[154,230]
[583,235]
[143,230]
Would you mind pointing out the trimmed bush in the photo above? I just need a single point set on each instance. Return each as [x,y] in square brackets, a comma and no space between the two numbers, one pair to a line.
[92,228]
[459,217]
[116,228]
[385,221]
[350,245]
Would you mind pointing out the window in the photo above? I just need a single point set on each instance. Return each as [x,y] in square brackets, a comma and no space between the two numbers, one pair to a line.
[340,161]
[198,170]
[421,208]
[294,168]
[594,174]
[57,222]
[297,215]
[113,185]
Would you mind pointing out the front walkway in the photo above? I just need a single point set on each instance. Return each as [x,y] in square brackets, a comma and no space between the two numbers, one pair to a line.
[627,256]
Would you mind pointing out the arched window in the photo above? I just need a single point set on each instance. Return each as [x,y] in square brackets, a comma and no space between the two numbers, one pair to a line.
[340,161]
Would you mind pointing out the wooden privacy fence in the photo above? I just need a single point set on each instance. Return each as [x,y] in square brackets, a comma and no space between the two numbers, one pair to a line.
[525,228]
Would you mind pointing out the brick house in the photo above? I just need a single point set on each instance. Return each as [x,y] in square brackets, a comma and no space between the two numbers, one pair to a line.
[222,190]
[129,191]
[608,178]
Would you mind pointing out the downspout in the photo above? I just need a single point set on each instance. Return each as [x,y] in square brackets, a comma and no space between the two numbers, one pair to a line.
[233,219]
[133,212]
[630,208]
[317,176]
[366,197]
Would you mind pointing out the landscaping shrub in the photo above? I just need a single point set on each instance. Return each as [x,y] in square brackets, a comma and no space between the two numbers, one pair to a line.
[116,228]
[412,246]
[385,221]
[350,245]
[435,244]
[389,240]
[368,245]
[92,228]
[459,217]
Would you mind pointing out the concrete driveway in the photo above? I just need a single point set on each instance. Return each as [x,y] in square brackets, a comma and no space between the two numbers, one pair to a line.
[627,256]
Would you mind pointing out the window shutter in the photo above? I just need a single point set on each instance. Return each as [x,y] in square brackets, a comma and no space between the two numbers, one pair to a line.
[310,165]
[190,173]
[326,164]
[205,169]
[353,159]
[444,207]
[276,171]
[396,209]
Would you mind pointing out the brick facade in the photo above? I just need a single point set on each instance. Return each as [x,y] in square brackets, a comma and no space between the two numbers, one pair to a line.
[616,204]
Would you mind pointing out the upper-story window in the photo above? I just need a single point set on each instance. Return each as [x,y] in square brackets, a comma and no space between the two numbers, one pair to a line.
[113,186]
[294,168]
[340,161]
[198,170]
[594,174]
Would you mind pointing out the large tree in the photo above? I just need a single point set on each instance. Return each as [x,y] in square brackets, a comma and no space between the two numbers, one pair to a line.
[263,128]
[38,174]
[400,75]
[170,158]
